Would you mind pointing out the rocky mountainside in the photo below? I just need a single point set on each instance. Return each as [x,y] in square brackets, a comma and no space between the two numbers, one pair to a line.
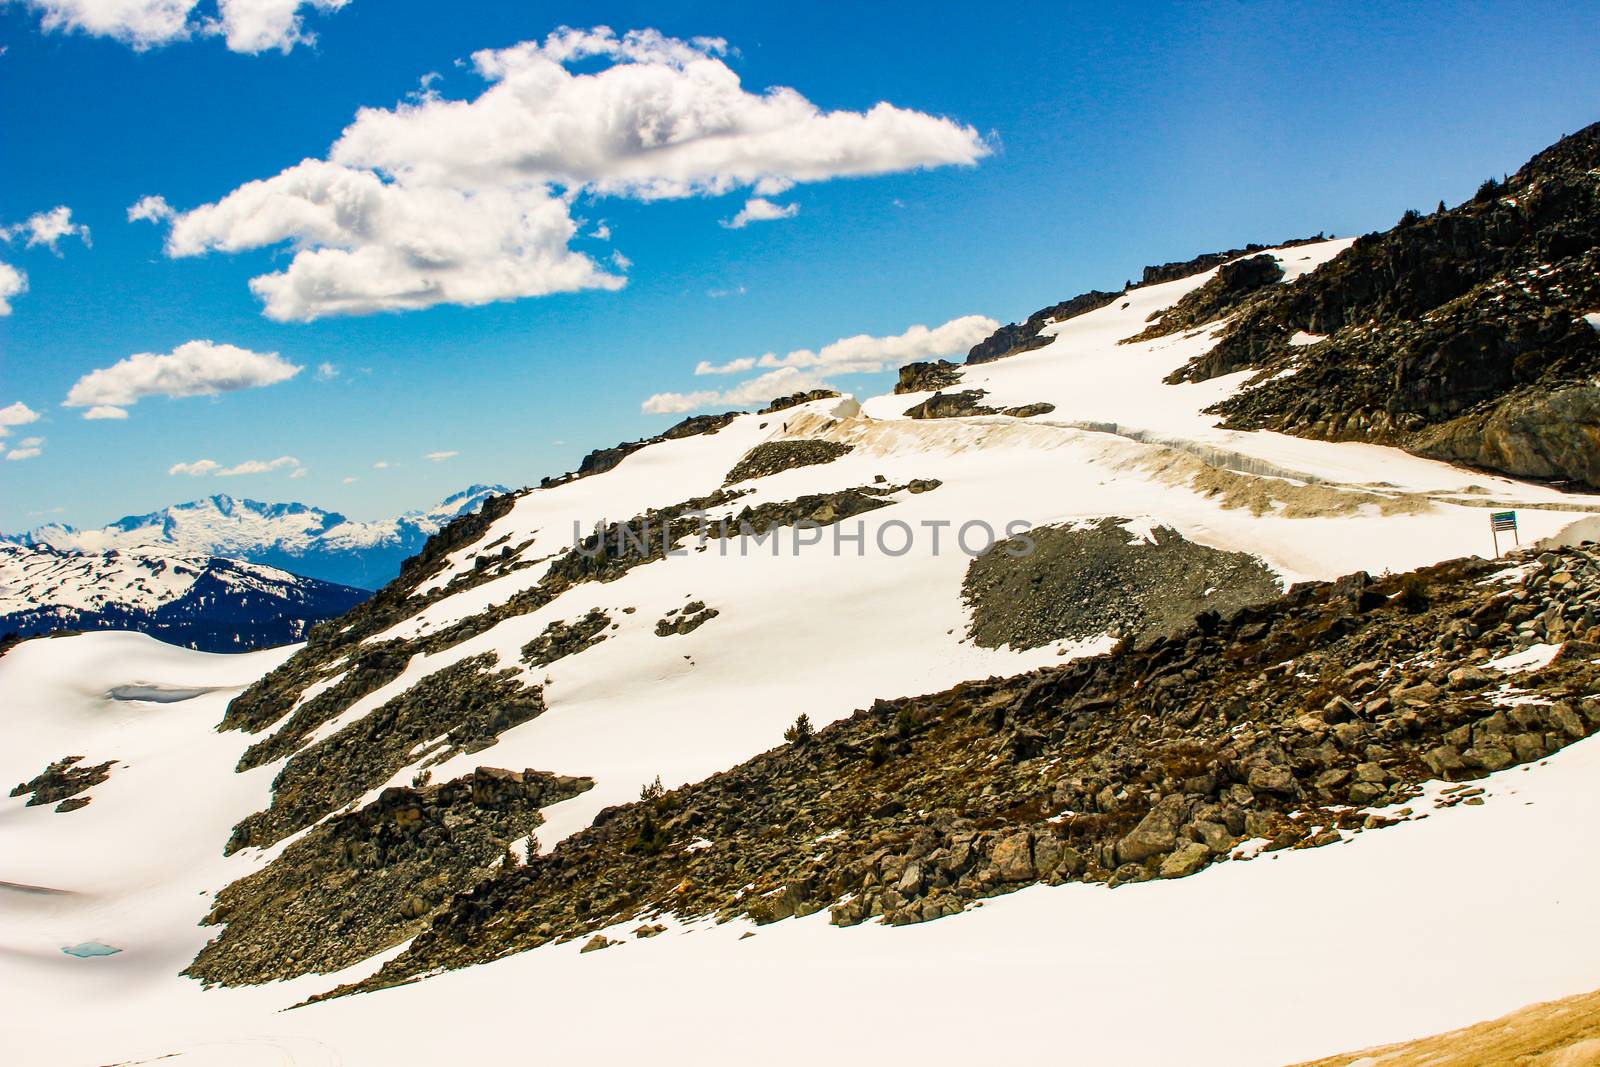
[201,602]
[1471,334]
[296,537]
[1295,724]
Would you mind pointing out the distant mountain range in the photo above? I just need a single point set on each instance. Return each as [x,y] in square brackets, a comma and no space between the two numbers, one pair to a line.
[203,602]
[295,537]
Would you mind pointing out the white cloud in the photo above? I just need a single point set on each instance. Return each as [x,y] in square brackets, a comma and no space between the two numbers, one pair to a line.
[16,414]
[195,368]
[47,228]
[261,466]
[718,294]
[246,25]
[256,26]
[139,23]
[105,411]
[467,201]
[150,209]
[12,283]
[202,467]
[364,244]
[864,353]
[381,465]
[760,209]
[806,369]
[673,403]
[733,366]
[440,457]
[327,372]
[27,448]
[666,118]
[351,480]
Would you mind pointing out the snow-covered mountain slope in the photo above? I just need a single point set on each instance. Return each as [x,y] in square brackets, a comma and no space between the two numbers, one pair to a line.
[1119,443]
[1217,958]
[219,605]
[297,537]
[510,642]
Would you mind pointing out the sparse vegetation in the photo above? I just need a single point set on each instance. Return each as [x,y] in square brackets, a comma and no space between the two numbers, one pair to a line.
[801,732]
[1414,593]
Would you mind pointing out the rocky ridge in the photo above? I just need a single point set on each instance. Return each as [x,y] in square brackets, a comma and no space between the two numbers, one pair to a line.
[1463,334]
[1228,288]
[362,882]
[1013,338]
[967,402]
[1282,725]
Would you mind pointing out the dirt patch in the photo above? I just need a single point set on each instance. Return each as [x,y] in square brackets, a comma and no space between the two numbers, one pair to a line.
[1560,1033]
[1082,581]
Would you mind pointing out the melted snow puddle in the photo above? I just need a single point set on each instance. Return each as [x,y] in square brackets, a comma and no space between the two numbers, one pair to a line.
[160,694]
[87,949]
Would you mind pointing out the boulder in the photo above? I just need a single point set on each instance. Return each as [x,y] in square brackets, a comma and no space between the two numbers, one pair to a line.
[1013,857]
[1156,833]
[1185,860]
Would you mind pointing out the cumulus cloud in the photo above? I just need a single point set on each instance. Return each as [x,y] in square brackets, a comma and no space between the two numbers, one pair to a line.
[150,209]
[381,465]
[676,403]
[364,244]
[467,201]
[760,209]
[202,467]
[47,228]
[195,368]
[327,372]
[440,457]
[255,26]
[667,118]
[805,368]
[16,414]
[246,25]
[12,283]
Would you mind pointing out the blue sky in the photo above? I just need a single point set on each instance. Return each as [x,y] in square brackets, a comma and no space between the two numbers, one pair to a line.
[1114,136]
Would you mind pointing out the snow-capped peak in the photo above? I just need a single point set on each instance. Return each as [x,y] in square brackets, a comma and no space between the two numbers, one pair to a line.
[298,537]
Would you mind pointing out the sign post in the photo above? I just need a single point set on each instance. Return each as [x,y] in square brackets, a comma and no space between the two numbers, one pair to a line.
[1500,521]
